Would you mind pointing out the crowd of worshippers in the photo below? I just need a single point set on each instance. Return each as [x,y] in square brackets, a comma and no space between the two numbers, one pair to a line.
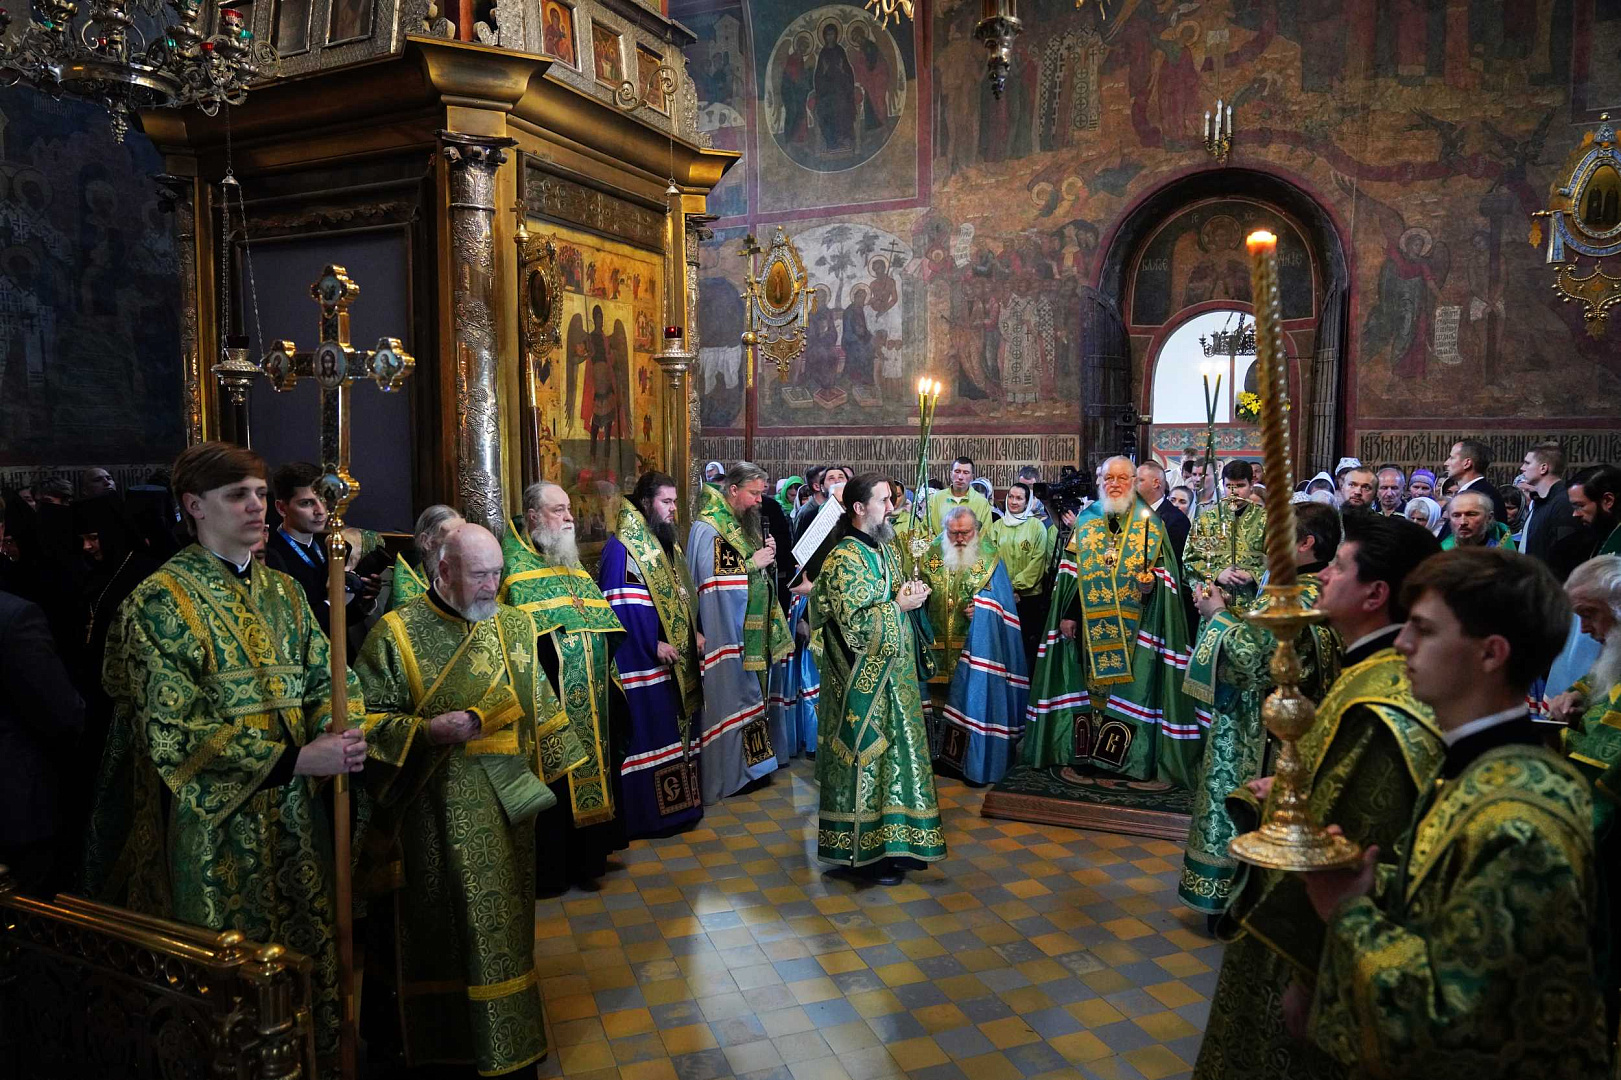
[515,718]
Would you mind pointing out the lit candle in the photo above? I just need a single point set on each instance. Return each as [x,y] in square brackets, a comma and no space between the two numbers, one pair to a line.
[1218,118]
[1207,125]
[1273,381]
[1229,120]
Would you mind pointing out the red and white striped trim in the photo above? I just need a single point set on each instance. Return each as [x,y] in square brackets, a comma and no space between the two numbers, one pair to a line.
[1156,717]
[635,595]
[710,659]
[647,677]
[1050,639]
[1011,618]
[1166,579]
[1068,566]
[736,720]
[994,731]
[1078,700]
[725,583]
[650,759]
[991,667]
[811,693]
[1177,660]
[1204,716]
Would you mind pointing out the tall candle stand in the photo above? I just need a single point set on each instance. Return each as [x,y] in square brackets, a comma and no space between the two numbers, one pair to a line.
[1289,838]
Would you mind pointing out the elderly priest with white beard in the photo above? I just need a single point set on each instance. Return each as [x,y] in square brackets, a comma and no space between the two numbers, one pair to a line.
[980,650]
[1107,687]
[747,643]
[463,727]
[578,634]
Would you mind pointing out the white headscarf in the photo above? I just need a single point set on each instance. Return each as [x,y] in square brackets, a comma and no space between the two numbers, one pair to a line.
[1009,516]
[1431,507]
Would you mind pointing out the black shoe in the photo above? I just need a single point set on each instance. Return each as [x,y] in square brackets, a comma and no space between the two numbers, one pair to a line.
[882,872]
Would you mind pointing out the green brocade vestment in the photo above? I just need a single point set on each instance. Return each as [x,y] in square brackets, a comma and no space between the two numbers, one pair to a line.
[1112,699]
[1221,538]
[951,599]
[878,795]
[214,680]
[569,611]
[1230,676]
[1473,958]
[408,584]
[1373,748]
[460,819]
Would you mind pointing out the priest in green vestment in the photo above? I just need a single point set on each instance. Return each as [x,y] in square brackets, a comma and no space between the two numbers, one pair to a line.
[1373,749]
[879,811]
[1472,957]
[1230,676]
[209,808]
[1106,685]
[953,583]
[1227,545]
[463,729]
[578,634]
[413,570]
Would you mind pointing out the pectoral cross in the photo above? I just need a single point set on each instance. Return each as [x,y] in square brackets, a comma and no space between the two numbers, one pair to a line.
[335,364]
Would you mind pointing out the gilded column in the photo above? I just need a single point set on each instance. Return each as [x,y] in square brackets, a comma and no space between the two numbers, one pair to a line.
[697,230]
[472,163]
[179,199]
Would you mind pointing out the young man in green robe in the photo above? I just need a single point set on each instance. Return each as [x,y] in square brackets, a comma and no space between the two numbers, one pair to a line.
[413,570]
[463,729]
[1106,684]
[1472,957]
[209,808]
[879,811]
[1373,748]
[960,493]
[1227,546]
[578,633]
[1230,676]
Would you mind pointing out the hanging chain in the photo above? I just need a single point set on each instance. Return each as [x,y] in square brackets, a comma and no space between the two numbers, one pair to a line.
[230,181]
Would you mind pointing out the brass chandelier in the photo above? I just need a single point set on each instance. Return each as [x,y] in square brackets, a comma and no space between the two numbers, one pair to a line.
[113,55]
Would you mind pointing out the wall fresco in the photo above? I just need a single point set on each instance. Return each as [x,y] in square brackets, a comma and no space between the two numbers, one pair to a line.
[1427,131]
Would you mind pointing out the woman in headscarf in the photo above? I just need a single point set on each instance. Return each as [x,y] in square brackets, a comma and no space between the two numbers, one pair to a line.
[1426,512]
[788,494]
[983,486]
[1024,544]
[1421,484]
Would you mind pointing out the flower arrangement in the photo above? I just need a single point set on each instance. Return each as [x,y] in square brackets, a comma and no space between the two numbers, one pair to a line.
[1248,408]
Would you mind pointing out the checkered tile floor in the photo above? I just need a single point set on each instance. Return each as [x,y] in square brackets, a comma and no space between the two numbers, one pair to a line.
[726,951]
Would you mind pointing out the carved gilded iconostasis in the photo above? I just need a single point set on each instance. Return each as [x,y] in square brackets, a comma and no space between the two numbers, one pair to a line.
[1421,135]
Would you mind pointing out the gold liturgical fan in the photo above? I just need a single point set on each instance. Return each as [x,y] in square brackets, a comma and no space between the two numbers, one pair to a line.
[777,304]
[1584,218]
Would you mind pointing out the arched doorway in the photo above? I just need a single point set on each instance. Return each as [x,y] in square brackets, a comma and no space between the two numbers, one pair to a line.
[1178,255]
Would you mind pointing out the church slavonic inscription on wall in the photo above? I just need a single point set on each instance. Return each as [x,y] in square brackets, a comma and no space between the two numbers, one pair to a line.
[1583,447]
[995,456]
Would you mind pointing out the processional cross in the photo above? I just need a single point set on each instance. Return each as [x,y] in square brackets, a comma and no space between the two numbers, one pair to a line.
[335,365]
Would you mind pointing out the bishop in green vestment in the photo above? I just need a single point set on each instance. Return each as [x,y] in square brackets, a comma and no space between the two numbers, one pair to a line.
[578,633]
[1373,749]
[1230,676]
[463,729]
[1227,546]
[878,803]
[1473,956]
[1106,684]
[209,808]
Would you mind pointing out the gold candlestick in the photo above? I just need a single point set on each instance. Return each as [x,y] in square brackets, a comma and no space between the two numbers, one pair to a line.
[1288,839]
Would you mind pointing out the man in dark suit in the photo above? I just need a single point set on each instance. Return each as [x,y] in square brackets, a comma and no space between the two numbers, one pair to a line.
[297,547]
[1548,517]
[1467,464]
[41,717]
[1151,486]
